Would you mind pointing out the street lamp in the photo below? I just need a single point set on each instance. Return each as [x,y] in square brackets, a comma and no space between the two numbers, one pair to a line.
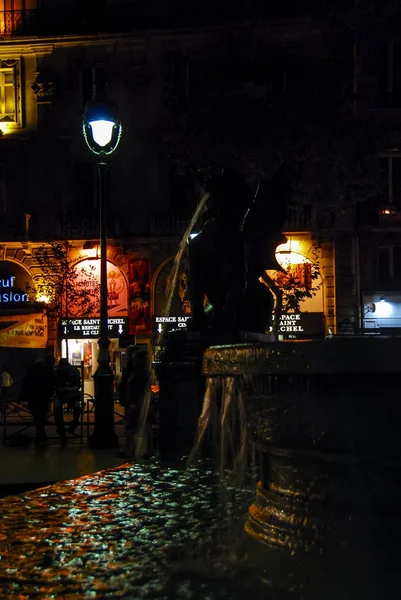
[102,132]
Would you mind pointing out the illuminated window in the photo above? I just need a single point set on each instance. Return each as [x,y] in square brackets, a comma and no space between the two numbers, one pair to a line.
[390,193]
[9,96]
[8,107]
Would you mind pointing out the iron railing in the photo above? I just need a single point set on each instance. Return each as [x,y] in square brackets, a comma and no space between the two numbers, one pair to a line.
[143,14]
[167,224]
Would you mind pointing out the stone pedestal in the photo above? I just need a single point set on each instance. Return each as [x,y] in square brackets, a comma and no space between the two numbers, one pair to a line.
[325,417]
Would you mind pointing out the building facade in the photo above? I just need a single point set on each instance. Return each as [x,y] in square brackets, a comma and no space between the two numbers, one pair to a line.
[155,63]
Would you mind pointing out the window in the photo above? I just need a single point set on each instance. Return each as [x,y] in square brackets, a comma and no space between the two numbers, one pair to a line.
[390,188]
[390,172]
[93,82]
[2,189]
[7,95]
[389,75]
[86,202]
[389,262]
[182,192]
[9,87]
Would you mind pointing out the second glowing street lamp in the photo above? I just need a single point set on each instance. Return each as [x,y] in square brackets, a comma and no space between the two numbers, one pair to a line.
[102,132]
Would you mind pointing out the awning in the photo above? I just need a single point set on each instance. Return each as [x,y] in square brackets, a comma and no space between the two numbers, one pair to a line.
[23,331]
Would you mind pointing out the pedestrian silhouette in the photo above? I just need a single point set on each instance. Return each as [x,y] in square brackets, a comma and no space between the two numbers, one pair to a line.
[67,382]
[134,385]
[6,381]
[37,391]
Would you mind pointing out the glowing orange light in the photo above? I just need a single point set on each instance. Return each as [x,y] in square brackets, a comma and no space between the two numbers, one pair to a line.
[90,252]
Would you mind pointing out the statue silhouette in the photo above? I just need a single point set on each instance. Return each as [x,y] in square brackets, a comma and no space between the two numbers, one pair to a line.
[233,250]
[216,257]
[262,233]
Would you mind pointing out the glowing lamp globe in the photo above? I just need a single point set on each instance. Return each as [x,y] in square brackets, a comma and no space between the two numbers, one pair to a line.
[101,128]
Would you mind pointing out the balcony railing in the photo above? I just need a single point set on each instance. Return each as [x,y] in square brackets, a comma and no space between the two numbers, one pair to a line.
[299,218]
[168,224]
[143,14]
[69,226]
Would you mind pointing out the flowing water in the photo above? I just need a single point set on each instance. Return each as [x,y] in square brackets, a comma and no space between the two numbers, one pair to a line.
[177,261]
[134,532]
[222,428]
[143,425]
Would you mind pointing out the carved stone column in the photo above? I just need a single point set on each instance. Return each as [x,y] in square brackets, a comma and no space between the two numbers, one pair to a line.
[44,88]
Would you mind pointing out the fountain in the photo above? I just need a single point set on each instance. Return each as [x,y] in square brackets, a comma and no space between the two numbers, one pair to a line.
[321,415]
[222,265]
[318,419]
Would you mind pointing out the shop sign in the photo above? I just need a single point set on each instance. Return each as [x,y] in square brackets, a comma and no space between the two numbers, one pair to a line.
[89,328]
[15,282]
[301,323]
[9,295]
[23,331]
[161,324]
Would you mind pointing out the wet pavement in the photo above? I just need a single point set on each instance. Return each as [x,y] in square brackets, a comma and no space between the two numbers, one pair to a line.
[136,531]
[26,468]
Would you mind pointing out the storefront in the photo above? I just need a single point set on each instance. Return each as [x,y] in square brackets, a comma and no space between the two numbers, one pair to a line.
[175,300]
[79,334]
[22,321]
[303,288]
[304,268]
[382,312]
[79,342]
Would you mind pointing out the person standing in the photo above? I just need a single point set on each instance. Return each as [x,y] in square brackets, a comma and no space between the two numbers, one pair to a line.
[6,382]
[67,383]
[135,384]
[37,391]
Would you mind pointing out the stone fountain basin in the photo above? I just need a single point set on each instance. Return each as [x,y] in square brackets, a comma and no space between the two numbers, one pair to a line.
[325,418]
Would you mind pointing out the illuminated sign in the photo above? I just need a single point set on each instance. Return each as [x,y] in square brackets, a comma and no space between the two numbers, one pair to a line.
[10,295]
[307,323]
[166,323]
[290,323]
[89,328]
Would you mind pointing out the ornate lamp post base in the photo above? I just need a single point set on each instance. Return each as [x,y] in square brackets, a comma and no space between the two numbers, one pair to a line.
[104,435]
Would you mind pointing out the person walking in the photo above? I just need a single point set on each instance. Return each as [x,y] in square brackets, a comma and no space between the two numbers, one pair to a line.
[37,391]
[135,384]
[67,384]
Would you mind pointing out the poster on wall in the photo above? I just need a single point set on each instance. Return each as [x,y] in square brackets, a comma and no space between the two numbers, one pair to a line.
[27,331]
[179,305]
[139,296]
[88,280]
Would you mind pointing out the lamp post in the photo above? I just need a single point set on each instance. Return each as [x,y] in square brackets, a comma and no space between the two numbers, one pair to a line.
[102,132]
